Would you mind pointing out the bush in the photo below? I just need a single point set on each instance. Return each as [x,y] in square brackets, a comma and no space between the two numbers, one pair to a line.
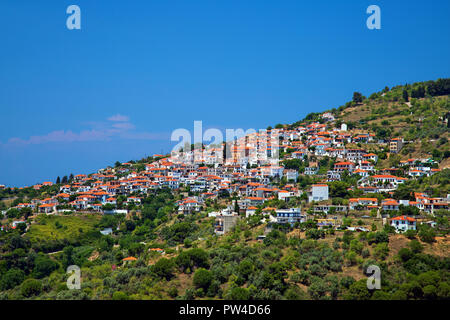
[427,235]
[429,292]
[295,293]
[381,236]
[173,292]
[202,278]
[120,295]
[31,287]
[11,278]
[358,291]
[405,254]
[351,257]
[381,251]
[163,268]
[410,234]
[192,258]
[238,293]
[318,288]
[44,266]
[415,246]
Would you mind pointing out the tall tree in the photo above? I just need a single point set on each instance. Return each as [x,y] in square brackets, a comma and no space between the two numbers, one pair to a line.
[357,97]
[405,95]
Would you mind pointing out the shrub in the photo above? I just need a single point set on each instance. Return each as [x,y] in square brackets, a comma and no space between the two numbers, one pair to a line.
[427,235]
[120,295]
[381,251]
[173,292]
[31,287]
[410,234]
[44,266]
[405,254]
[358,291]
[11,278]
[415,246]
[429,292]
[202,278]
[238,293]
[163,268]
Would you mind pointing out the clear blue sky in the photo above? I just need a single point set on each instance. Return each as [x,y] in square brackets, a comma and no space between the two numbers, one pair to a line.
[73,101]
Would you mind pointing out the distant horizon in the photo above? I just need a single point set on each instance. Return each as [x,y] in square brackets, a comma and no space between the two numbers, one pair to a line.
[75,101]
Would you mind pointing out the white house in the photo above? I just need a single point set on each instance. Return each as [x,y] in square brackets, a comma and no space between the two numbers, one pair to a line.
[362,202]
[403,223]
[319,192]
[290,216]
[291,175]
[311,170]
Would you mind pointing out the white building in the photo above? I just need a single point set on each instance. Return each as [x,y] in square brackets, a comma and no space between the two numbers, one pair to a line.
[319,192]
[290,216]
[291,175]
[403,223]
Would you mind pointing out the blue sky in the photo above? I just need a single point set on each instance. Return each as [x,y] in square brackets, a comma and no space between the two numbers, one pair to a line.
[73,101]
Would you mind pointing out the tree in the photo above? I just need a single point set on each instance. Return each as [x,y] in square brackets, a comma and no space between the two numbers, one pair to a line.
[357,97]
[410,234]
[427,234]
[381,251]
[245,268]
[238,293]
[295,293]
[358,291]
[381,236]
[405,254]
[163,268]
[13,213]
[418,92]
[202,278]
[11,278]
[26,212]
[31,287]
[429,292]
[405,95]
[318,288]
[439,87]
[351,257]
[44,266]
[58,180]
[67,259]
[120,295]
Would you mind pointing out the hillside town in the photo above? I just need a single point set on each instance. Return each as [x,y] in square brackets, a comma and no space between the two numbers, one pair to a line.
[292,212]
[256,169]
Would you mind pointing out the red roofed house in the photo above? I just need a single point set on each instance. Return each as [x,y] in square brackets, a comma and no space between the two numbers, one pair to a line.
[342,166]
[389,204]
[47,208]
[403,223]
[362,202]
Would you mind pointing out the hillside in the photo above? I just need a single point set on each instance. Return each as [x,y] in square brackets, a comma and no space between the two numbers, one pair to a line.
[166,246]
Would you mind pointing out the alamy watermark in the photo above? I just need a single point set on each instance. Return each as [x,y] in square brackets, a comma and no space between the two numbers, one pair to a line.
[374,279]
[235,147]
[74,281]
[374,20]
[74,20]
